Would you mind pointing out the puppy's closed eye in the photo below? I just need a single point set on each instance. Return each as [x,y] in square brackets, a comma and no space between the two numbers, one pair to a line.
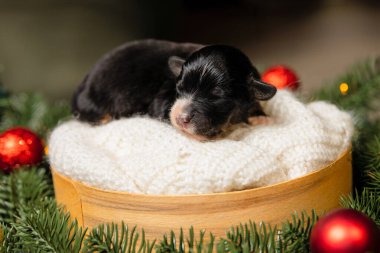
[183,88]
[218,91]
[179,87]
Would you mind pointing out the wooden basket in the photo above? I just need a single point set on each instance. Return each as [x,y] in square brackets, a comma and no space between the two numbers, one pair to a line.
[157,214]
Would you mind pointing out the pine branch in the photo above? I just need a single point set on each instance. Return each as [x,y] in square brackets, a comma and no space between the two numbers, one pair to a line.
[368,159]
[367,202]
[293,236]
[296,234]
[22,188]
[108,238]
[374,182]
[46,228]
[33,111]
[373,154]
[362,98]
[363,81]
[250,238]
[190,244]
[8,242]
[365,155]
[33,221]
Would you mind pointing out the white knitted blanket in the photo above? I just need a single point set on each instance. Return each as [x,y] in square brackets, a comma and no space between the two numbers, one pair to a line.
[142,155]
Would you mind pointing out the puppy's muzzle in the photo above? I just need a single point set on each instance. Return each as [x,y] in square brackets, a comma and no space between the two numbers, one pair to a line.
[184,119]
[179,116]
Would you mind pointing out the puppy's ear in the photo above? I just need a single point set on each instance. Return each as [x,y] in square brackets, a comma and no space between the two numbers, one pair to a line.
[260,90]
[175,64]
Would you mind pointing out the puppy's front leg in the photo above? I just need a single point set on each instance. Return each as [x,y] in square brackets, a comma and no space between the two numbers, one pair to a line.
[260,120]
[106,118]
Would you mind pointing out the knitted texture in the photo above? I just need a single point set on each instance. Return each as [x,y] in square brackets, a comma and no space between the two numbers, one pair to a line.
[143,155]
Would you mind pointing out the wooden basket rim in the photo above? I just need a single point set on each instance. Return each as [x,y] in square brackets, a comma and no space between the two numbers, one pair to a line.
[237,192]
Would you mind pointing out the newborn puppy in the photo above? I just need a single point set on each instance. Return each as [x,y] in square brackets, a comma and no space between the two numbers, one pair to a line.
[201,89]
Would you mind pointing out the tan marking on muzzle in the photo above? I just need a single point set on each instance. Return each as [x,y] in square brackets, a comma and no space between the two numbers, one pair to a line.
[177,109]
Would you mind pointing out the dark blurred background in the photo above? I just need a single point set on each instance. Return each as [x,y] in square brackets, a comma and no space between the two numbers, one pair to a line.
[49,45]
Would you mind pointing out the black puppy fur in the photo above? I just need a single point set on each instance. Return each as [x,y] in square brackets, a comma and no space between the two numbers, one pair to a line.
[149,76]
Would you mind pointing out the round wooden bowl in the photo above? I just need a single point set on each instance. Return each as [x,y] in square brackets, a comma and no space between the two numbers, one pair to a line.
[158,214]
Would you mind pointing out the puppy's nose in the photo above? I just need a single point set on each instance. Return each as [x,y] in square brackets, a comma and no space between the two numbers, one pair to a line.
[184,119]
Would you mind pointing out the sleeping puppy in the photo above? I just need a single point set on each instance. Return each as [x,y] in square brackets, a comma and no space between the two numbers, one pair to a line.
[202,90]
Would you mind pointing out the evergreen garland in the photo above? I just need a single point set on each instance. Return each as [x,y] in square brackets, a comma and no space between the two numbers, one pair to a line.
[363,100]
[30,221]
[21,190]
[33,111]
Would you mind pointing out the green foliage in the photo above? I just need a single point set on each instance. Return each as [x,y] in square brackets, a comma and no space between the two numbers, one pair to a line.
[372,155]
[293,237]
[250,238]
[367,202]
[31,110]
[363,100]
[362,97]
[110,239]
[296,233]
[374,182]
[46,228]
[182,245]
[24,187]
[367,161]
[8,242]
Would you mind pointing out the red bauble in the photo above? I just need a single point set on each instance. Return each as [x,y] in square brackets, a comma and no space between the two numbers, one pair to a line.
[345,231]
[19,146]
[282,77]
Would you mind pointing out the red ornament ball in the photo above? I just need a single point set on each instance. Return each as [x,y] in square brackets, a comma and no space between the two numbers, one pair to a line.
[19,146]
[345,231]
[282,77]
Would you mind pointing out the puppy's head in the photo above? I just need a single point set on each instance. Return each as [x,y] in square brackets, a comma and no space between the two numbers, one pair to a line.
[216,86]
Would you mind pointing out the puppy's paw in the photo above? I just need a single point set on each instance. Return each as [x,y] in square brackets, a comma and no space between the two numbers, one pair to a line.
[260,120]
[106,118]
[196,137]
